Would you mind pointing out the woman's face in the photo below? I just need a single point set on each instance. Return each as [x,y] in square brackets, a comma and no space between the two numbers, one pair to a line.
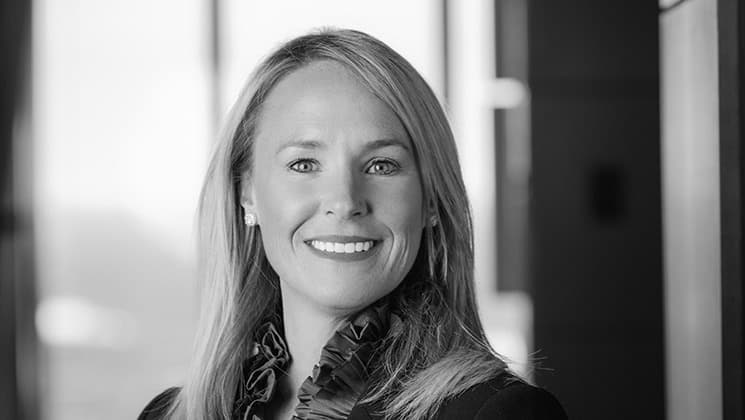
[335,189]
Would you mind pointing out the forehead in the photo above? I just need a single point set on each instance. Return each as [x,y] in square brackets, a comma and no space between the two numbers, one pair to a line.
[324,100]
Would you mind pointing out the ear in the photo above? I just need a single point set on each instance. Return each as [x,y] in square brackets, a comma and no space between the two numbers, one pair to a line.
[248,196]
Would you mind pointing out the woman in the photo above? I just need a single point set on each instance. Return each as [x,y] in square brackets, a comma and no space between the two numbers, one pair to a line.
[334,222]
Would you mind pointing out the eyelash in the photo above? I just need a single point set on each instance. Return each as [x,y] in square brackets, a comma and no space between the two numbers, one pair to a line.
[294,165]
[394,169]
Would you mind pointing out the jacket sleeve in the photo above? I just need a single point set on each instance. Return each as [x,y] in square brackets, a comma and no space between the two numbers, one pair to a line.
[158,407]
[521,402]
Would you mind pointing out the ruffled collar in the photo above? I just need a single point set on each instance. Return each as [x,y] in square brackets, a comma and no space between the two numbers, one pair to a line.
[337,381]
[260,373]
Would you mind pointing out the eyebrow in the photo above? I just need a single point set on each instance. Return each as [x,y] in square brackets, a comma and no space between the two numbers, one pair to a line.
[316,144]
[301,144]
[381,143]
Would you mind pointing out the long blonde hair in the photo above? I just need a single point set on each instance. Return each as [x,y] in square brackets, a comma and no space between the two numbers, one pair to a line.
[440,349]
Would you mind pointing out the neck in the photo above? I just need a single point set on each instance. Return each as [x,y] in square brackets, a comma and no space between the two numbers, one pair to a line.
[307,330]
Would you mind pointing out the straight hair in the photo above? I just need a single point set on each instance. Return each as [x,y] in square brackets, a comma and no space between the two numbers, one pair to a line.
[440,349]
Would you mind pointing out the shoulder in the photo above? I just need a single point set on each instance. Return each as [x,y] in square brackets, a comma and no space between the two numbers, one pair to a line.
[158,406]
[504,398]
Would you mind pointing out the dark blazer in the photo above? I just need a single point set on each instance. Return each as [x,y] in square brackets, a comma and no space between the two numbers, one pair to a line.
[494,399]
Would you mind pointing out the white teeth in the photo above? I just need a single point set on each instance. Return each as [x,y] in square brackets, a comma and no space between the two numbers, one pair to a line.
[342,248]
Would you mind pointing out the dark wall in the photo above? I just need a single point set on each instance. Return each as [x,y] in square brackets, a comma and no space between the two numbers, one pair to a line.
[595,206]
[17,340]
[731,40]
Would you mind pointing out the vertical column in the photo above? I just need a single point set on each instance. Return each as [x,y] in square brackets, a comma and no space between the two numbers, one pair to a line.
[691,209]
[731,39]
[18,350]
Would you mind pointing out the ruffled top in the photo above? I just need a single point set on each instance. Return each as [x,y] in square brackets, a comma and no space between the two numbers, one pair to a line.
[260,373]
[337,381]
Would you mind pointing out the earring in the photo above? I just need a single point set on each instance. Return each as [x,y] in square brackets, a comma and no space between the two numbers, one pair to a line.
[250,219]
[433,220]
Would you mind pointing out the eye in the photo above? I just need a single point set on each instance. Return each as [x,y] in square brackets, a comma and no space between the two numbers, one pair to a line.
[382,167]
[304,165]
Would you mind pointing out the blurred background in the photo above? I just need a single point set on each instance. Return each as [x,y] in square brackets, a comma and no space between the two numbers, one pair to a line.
[600,143]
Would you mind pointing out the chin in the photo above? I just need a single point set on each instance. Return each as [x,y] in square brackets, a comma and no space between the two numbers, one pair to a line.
[348,299]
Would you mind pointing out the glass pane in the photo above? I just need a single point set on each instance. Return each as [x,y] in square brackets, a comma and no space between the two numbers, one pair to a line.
[121,112]
[249,30]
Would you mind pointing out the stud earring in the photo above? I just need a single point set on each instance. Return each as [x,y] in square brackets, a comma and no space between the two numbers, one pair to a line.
[250,219]
[433,220]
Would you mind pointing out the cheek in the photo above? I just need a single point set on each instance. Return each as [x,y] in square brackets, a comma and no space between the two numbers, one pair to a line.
[278,198]
[401,210]
[281,208]
[401,207]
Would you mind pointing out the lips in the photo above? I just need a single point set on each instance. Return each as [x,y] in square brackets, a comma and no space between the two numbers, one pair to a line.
[342,246]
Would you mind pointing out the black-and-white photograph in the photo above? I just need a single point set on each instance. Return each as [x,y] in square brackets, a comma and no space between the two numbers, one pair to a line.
[372,210]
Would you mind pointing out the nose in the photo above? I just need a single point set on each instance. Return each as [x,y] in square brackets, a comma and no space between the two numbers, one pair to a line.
[344,197]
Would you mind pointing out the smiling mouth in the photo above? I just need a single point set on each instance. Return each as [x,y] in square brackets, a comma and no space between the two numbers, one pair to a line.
[343,247]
